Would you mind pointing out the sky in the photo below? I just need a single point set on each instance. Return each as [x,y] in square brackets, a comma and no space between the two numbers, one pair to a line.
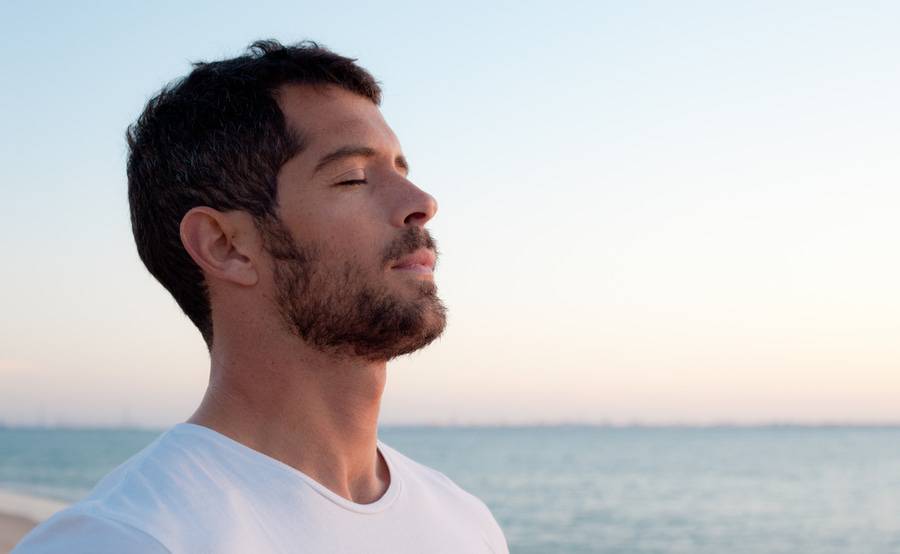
[649,212]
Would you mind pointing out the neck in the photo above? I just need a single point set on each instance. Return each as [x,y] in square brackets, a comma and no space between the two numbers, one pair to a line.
[314,412]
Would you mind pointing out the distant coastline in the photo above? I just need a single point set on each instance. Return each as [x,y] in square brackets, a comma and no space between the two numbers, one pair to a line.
[502,425]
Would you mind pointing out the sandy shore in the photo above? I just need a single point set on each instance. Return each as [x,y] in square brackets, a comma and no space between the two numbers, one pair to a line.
[19,513]
[12,529]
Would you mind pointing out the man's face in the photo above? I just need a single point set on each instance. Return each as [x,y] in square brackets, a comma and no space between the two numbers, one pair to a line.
[351,260]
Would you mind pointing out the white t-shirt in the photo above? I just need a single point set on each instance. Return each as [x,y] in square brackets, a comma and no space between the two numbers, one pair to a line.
[195,491]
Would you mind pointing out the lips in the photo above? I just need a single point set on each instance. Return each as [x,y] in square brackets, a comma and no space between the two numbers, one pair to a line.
[422,258]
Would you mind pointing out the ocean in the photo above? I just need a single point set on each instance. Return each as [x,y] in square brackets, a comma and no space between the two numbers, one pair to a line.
[582,489]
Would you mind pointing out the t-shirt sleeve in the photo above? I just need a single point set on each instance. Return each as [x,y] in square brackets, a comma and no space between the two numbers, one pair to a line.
[490,529]
[75,532]
[493,534]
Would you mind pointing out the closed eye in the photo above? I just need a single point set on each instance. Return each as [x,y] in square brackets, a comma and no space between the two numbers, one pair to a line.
[352,182]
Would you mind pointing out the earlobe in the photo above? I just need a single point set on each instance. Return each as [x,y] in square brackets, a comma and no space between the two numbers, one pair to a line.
[215,242]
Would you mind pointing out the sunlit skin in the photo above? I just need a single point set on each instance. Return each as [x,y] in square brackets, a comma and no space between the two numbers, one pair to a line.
[314,410]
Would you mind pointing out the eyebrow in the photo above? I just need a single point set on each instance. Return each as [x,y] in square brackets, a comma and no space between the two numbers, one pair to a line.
[352,152]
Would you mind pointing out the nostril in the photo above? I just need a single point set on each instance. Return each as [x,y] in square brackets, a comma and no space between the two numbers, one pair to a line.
[416,216]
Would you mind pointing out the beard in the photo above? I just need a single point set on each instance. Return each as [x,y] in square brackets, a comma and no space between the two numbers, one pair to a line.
[347,311]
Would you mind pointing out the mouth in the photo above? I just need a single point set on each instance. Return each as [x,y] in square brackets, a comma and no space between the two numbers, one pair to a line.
[421,261]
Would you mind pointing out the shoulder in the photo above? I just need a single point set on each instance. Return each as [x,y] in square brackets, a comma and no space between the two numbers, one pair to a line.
[419,475]
[434,485]
[146,500]
[171,473]
[76,530]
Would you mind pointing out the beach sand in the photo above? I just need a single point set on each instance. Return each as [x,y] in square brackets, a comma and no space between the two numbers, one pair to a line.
[19,513]
[12,529]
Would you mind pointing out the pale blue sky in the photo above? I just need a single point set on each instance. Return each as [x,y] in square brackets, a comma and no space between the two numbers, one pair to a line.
[649,211]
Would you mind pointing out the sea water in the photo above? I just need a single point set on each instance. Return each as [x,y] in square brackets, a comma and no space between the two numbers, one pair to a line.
[573,489]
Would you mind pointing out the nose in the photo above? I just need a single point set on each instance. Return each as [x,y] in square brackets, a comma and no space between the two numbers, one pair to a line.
[416,207]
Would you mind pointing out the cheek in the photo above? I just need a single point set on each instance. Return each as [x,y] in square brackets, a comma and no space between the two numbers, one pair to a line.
[353,241]
[355,223]
[348,227]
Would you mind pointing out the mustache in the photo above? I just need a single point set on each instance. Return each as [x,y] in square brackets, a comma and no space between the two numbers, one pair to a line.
[411,240]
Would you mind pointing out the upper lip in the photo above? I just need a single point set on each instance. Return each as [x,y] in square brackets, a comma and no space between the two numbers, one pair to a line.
[423,256]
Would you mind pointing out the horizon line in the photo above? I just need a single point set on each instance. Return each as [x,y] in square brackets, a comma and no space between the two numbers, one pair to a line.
[505,425]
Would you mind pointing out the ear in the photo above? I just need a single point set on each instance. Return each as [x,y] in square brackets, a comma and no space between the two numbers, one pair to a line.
[224,244]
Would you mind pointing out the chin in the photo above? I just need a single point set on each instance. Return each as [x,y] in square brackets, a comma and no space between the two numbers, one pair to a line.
[420,331]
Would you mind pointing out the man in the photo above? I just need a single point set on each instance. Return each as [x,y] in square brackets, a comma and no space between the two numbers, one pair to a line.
[269,196]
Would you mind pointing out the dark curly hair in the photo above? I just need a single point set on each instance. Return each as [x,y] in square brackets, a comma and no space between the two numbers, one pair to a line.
[218,138]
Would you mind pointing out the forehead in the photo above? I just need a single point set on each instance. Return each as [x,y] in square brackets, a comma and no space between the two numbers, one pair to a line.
[329,116]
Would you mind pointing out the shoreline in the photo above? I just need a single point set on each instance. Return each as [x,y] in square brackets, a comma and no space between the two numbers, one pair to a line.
[12,529]
[19,513]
